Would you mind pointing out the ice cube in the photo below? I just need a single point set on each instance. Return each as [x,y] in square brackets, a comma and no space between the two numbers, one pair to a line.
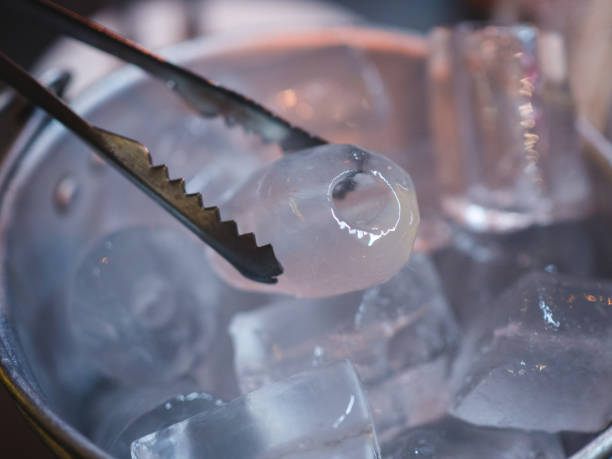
[459,440]
[125,414]
[398,335]
[276,341]
[339,218]
[347,95]
[508,153]
[144,305]
[319,413]
[539,357]
[414,396]
[213,159]
[338,93]
[478,267]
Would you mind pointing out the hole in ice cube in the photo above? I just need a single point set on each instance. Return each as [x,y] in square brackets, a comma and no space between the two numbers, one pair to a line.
[364,201]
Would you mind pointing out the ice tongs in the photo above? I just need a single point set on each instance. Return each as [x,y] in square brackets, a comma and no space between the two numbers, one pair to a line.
[132,158]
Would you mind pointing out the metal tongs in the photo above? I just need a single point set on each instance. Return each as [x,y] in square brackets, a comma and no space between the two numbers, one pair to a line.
[133,159]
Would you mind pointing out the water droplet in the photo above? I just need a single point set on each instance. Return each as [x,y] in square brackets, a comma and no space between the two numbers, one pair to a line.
[66,192]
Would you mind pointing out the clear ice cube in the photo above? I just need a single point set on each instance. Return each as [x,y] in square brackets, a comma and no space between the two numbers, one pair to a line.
[477,267]
[143,305]
[539,358]
[417,395]
[453,438]
[338,93]
[508,153]
[213,159]
[398,335]
[124,415]
[339,218]
[319,413]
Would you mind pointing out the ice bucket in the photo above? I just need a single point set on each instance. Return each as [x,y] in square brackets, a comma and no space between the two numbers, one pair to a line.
[57,198]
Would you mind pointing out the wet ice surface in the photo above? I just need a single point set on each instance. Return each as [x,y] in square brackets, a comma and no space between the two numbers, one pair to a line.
[400,335]
[538,359]
[320,413]
[338,217]
[453,438]
[144,305]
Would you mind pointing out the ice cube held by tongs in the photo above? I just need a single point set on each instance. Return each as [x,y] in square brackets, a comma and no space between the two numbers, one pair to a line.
[132,158]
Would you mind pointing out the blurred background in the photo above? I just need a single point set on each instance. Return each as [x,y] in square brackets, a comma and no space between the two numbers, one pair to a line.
[158,23]
[162,22]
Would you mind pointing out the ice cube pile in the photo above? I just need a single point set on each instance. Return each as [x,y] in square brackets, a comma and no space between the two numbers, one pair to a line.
[396,334]
[494,345]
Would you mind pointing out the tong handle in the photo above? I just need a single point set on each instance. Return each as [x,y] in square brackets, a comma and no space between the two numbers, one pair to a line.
[16,112]
[203,95]
[20,80]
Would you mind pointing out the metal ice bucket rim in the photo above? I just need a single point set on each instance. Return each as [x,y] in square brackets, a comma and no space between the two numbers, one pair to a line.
[64,440]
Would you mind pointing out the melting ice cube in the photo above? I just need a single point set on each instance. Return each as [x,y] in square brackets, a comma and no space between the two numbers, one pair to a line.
[143,305]
[319,413]
[540,358]
[339,218]
[399,335]
[459,440]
